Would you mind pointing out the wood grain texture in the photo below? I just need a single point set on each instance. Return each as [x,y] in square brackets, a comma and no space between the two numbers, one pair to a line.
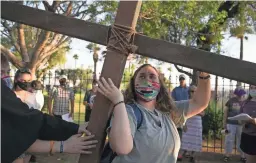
[194,58]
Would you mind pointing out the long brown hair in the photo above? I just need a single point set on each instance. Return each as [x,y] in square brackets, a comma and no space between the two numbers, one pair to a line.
[164,101]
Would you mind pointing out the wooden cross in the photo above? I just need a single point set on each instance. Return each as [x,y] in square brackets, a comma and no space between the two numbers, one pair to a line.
[114,64]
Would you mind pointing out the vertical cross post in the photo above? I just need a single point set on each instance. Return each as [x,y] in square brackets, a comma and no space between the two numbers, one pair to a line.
[113,67]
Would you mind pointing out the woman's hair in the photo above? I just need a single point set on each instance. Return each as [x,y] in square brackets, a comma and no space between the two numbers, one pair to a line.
[164,101]
[18,73]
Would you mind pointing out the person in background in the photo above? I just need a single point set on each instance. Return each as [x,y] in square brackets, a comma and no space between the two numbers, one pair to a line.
[181,92]
[178,94]
[62,97]
[88,100]
[25,89]
[232,127]
[248,137]
[192,132]
[30,125]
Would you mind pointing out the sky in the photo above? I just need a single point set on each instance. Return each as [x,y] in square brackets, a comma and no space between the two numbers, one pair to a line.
[230,47]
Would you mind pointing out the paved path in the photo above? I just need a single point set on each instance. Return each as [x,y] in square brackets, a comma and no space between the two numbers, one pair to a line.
[206,157]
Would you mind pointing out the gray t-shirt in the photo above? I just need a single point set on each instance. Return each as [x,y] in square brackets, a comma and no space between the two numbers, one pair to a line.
[157,139]
[249,107]
[233,106]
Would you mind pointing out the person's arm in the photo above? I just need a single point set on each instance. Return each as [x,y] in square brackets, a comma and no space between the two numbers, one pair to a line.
[50,99]
[29,125]
[85,99]
[122,131]
[50,105]
[121,125]
[225,116]
[72,101]
[72,106]
[75,144]
[201,98]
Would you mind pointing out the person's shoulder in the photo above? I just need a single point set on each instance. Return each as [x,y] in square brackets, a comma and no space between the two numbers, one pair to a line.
[233,99]
[174,89]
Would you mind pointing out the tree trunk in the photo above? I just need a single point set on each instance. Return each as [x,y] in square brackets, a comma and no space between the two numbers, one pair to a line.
[241,54]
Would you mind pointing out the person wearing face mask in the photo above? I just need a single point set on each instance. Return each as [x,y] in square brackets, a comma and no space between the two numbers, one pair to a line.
[61,97]
[89,95]
[27,90]
[35,100]
[21,127]
[154,138]
[248,137]
[232,127]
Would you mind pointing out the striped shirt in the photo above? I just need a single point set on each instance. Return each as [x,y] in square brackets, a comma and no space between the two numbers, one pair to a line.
[61,97]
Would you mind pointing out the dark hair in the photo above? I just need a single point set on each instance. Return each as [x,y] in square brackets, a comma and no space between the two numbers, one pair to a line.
[17,75]
[94,82]
[164,102]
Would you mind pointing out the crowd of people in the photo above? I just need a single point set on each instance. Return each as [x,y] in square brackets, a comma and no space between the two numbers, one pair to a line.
[167,121]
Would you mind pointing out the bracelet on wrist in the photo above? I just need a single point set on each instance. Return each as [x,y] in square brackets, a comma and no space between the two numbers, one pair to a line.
[205,77]
[120,102]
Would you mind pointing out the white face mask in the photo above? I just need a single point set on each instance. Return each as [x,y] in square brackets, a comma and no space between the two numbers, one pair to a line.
[252,93]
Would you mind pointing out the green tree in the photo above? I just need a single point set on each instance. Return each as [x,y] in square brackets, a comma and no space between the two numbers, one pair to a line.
[243,24]
[198,24]
[76,74]
[31,47]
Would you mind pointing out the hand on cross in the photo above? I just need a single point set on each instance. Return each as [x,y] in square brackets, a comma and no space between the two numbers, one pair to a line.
[110,91]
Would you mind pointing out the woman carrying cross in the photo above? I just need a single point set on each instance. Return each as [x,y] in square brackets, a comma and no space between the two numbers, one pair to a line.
[155,139]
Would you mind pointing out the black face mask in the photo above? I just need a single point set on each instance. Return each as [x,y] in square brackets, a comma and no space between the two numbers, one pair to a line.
[24,85]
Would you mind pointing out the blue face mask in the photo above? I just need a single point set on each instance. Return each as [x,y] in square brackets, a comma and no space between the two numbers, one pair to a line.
[8,81]
[252,92]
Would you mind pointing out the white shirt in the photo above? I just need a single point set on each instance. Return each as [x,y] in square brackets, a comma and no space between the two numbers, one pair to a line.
[35,100]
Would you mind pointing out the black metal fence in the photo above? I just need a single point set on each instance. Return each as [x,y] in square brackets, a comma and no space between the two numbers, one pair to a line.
[213,140]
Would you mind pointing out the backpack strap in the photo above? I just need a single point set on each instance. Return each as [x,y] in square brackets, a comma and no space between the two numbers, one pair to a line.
[138,114]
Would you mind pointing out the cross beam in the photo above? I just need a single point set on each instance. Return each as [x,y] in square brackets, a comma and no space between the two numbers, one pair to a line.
[127,15]
[158,49]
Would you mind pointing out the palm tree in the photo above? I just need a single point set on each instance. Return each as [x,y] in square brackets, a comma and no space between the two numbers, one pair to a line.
[75,58]
[95,49]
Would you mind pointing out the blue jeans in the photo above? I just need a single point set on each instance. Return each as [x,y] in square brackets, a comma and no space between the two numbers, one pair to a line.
[234,134]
